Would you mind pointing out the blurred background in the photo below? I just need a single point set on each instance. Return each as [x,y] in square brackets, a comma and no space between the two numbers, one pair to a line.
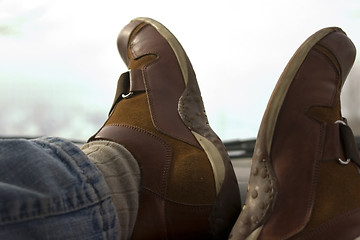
[59,62]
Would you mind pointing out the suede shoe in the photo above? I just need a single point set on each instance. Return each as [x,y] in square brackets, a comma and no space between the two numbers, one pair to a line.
[305,181]
[188,187]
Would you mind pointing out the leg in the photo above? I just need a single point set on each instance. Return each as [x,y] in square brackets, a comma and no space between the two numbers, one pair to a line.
[50,190]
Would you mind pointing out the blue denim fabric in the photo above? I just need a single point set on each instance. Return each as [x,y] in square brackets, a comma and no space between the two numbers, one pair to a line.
[50,190]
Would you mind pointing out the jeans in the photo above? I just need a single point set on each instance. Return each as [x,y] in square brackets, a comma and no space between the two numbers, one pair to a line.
[50,190]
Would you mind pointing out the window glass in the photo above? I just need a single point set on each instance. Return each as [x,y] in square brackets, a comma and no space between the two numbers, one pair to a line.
[59,62]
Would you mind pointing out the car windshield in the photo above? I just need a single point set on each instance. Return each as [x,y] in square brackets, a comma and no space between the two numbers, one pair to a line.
[59,62]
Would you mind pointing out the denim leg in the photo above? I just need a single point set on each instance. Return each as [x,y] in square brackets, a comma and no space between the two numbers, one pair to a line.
[50,190]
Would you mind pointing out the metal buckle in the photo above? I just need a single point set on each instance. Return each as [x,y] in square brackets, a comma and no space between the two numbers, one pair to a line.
[340,122]
[128,95]
[339,159]
[344,162]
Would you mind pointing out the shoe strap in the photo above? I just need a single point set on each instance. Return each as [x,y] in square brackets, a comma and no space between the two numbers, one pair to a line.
[340,143]
[349,145]
[129,82]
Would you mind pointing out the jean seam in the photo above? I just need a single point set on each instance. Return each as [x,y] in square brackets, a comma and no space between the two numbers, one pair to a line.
[88,180]
[101,209]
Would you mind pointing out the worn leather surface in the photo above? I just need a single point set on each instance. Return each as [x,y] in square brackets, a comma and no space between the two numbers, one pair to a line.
[178,198]
[163,81]
[299,137]
[342,227]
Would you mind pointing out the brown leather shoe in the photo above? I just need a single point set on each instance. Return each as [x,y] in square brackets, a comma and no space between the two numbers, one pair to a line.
[305,181]
[189,189]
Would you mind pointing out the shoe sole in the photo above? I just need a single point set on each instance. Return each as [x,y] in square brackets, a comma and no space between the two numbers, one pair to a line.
[262,190]
[210,144]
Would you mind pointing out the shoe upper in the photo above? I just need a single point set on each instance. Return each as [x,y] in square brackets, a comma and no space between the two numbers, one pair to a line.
[299,186]
[306,134]
[148,51]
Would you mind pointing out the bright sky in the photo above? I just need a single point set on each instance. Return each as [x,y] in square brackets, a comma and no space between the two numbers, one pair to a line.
[59,62]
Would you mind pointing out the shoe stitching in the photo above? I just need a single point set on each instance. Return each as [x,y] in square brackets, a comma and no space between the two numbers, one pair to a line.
[168,151]
[330,223]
